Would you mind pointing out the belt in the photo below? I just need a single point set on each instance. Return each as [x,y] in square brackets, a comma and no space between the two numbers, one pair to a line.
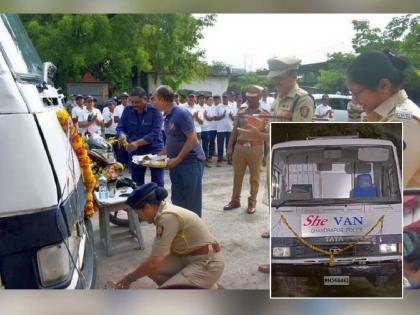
[250,143]
[204,250]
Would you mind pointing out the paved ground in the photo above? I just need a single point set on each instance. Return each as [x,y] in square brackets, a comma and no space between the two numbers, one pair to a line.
[238,232]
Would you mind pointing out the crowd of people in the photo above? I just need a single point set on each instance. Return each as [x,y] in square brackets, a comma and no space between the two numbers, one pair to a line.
[187,132]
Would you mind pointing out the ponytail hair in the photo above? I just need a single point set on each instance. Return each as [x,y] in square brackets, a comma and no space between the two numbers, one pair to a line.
[369,68]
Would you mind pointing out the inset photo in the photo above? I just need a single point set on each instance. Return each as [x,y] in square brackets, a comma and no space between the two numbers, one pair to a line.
[336,210]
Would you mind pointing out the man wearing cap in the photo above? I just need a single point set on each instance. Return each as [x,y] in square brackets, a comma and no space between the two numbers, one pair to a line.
[292,103]
[76,110]
[90,120]
[108,114]
[184,253]
[140,127]
[247,152]
[182,147]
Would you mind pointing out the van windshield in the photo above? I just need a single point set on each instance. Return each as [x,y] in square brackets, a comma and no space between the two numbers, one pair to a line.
[334,175]
[18,48]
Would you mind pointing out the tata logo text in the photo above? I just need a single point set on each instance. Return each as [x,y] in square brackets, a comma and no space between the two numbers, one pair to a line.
[318,221]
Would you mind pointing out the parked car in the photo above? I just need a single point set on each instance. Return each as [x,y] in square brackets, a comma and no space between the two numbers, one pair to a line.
[338,104]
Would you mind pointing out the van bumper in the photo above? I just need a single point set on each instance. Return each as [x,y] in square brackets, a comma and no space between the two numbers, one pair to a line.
[386,268]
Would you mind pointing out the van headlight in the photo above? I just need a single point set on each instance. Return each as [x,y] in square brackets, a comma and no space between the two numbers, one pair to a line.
[388,248]
[281,251]
[54,262]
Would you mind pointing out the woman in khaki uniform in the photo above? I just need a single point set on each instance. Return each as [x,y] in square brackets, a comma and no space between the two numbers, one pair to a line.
[184,252]
[375,80]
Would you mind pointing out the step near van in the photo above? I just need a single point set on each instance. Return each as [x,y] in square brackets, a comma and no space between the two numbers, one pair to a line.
[45,242]
[336,210]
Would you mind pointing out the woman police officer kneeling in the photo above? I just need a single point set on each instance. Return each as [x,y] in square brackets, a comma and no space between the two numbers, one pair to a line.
[184,252]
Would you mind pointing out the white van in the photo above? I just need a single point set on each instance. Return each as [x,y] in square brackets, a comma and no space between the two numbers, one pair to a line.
[328,193]
[45,242]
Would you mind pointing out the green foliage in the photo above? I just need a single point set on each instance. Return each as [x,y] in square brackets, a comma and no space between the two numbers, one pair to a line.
[334,79]
[240,82]
[401,35]
[112,47]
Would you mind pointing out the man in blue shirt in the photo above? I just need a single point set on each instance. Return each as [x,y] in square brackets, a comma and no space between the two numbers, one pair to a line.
[182,147]
[140,126]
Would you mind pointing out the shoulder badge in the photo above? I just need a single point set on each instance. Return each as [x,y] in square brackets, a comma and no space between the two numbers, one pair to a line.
[403,115]
[304,111]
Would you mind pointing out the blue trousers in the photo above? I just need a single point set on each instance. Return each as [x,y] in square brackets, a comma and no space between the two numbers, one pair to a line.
[186,180]
[208,142]
[122,155]
[138,173]
[222,138]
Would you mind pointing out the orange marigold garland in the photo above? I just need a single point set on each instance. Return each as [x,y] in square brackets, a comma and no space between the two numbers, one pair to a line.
[84,161]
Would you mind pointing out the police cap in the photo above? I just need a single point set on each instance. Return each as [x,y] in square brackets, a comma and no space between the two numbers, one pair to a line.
[280,66]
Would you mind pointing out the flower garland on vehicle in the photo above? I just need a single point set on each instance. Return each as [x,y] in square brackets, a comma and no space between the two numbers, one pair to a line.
[77,144]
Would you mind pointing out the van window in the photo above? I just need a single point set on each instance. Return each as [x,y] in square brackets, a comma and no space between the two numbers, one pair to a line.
[20,52]
[338,103]
[312,174]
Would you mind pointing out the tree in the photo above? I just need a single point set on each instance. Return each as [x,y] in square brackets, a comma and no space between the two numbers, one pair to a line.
[240,82]
[111,47]
[334,79]
[401,35]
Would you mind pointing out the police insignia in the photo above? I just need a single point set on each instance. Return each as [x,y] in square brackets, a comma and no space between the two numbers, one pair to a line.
[403,115]
[304,111]
[159,231]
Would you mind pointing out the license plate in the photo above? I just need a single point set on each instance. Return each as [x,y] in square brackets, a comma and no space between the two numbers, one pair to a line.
[336,280]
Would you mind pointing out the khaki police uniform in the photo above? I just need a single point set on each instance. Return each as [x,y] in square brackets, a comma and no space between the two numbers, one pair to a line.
[399,108]
[297,104]
[355,117]
[247,153]
[193,255]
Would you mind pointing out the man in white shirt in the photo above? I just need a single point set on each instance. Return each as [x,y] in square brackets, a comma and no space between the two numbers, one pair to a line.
[212,114]
[205,127]
[90,120]
[122,154]
[265,103]
[224,120]
[76,110]
[108,115]
[196,111]
[324,111]
[231,99]
[120,108]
